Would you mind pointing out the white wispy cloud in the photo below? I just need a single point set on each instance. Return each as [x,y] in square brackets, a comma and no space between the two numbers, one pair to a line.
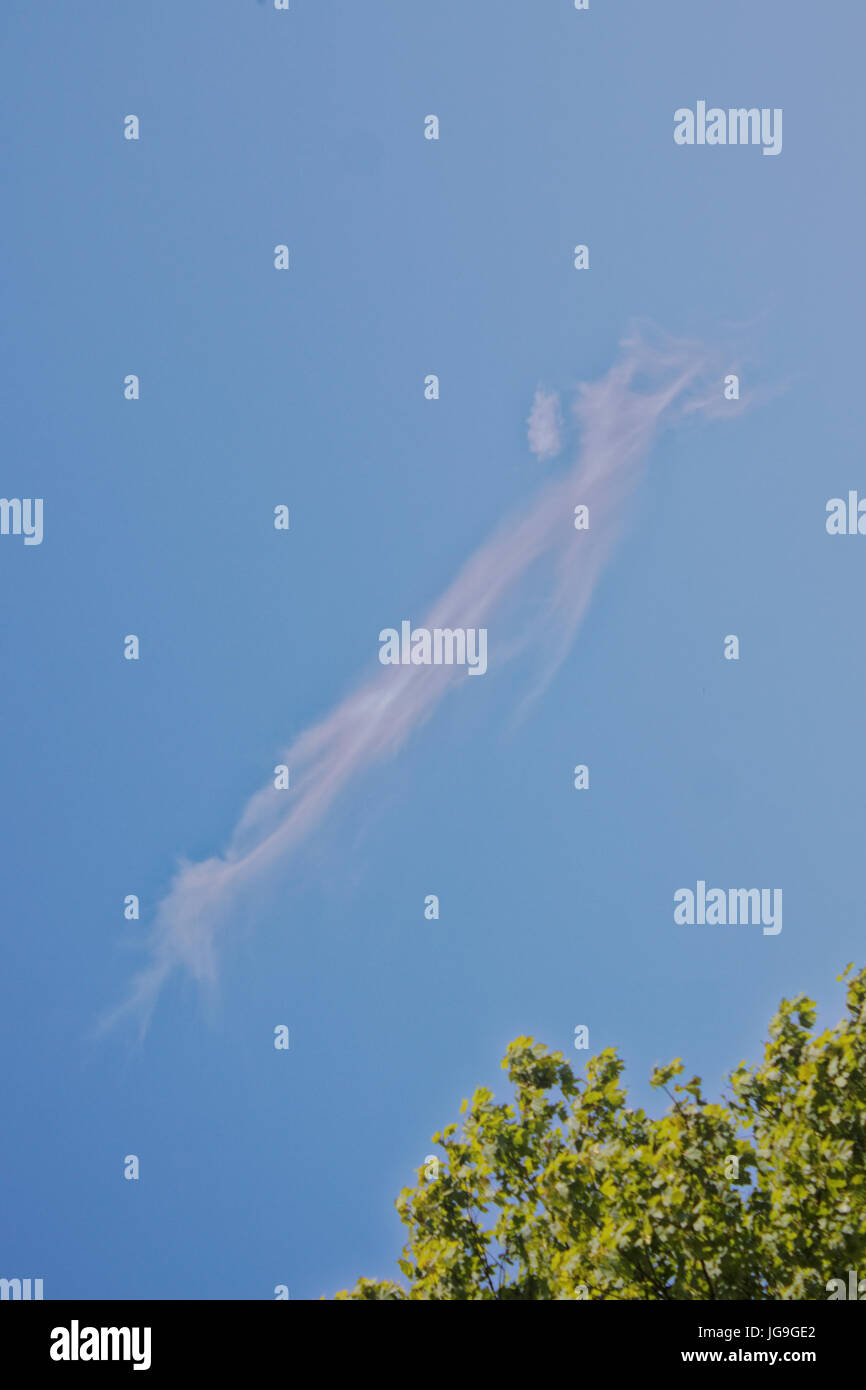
[545,425]
[618,417]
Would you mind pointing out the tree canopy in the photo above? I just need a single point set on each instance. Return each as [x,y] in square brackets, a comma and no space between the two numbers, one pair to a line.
[564,1192]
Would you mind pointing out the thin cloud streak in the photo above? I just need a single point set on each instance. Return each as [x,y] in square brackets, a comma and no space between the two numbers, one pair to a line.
[618,418]
[545,425]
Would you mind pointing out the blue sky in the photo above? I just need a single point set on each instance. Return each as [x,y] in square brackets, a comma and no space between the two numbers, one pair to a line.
[155,257]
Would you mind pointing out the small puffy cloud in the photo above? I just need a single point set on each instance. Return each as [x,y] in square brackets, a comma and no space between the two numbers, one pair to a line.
[545,424]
